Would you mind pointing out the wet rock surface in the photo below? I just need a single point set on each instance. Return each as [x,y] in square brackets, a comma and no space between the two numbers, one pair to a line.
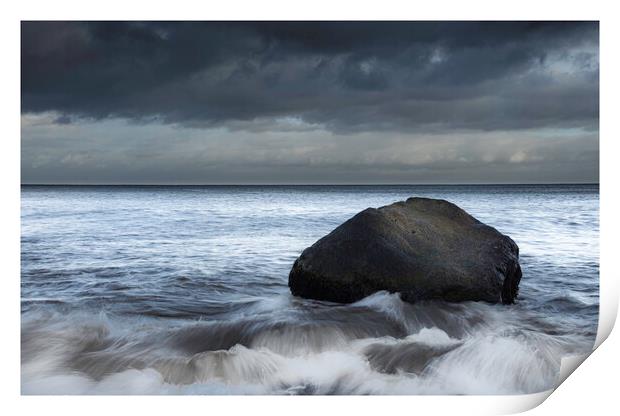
[422,248]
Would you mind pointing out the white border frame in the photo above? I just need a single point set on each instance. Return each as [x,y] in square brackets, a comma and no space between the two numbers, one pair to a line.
[592,381]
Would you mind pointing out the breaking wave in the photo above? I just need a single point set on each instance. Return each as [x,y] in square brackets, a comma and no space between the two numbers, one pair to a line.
[379,345]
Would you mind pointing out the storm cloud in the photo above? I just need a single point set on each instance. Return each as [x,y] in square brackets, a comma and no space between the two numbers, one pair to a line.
[310,101]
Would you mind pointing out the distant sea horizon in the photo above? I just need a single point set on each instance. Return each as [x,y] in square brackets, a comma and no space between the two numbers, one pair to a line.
[316,184]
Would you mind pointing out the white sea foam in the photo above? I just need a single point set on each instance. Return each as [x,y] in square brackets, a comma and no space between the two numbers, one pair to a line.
[71,355]
[387,303]
[432,336]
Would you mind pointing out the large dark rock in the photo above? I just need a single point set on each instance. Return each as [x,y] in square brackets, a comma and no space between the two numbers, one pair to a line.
[422,248]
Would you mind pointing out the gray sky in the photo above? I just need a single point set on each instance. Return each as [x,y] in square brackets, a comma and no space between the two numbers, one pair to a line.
[291,102]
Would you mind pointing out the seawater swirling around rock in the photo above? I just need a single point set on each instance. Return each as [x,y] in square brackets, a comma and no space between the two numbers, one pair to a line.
[422,248]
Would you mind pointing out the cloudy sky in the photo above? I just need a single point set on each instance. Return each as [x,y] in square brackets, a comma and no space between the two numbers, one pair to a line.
[291,102]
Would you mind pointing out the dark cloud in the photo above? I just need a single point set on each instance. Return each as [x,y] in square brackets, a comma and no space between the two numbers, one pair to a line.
[344,76]
[309,102]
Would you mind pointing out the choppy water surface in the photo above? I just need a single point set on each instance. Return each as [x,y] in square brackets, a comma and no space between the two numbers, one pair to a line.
[183,290]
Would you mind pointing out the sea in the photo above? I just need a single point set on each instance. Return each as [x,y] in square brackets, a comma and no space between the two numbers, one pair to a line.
[183,290]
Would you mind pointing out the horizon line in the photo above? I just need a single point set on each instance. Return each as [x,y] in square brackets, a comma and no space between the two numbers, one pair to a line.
[315,184]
